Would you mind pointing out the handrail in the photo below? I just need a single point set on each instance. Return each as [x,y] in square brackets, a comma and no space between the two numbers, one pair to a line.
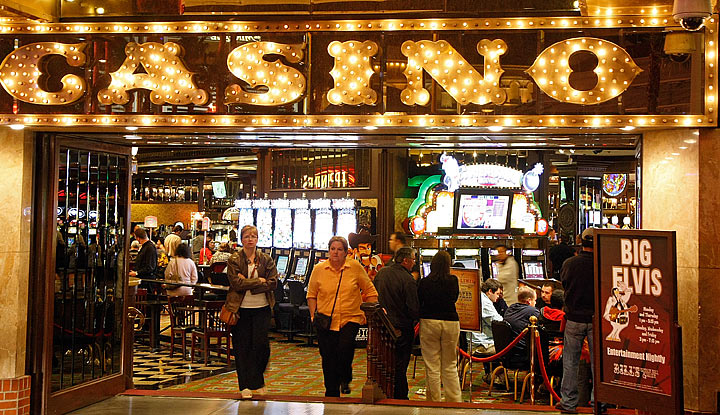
[382,337]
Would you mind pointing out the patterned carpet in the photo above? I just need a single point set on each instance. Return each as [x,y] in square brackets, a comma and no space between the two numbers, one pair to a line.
[296,370]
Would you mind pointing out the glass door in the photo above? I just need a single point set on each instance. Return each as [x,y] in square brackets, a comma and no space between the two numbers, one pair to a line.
[88,349]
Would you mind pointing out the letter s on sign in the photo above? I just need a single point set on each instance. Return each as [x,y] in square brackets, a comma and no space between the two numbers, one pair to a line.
[615,71]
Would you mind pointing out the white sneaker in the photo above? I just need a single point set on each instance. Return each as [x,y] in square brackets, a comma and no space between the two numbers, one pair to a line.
[246,394]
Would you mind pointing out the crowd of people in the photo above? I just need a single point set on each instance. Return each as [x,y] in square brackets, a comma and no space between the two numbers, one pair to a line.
[417,307]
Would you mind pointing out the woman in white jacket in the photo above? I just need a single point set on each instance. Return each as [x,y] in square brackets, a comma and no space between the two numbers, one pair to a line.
[181,269]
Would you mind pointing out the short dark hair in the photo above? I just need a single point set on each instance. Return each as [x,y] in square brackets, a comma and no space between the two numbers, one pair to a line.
[526,293]
[498,246]
[490,285]
[404,253]
[183,250]
[557,299]
[177,229]
[400,237]
[140,233]
[440,263]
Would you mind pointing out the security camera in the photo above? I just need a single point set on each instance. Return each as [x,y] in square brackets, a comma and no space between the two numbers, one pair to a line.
[691,14]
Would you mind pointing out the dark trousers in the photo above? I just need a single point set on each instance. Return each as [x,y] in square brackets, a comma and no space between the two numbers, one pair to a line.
[403,351]
[337,349]
[251,346]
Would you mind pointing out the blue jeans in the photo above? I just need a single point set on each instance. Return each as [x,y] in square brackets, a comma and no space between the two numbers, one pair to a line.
[575,333]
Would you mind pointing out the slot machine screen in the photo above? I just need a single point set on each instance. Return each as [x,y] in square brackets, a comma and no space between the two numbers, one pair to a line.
[301,266]
[533,252]
[494,269]
[92,231]
[70,240]
[426,269]
[482,211]
[282,263]
[467,263]
[534,270]
[72,230]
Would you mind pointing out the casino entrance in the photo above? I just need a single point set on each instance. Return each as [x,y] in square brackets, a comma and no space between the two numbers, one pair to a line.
[299,190]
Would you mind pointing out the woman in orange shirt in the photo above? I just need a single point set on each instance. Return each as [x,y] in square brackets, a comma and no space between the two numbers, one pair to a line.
[336,288]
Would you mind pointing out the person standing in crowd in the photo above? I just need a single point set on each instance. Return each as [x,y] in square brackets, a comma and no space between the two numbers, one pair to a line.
[146,260]
[253,279]
[181,269]
[335,289]
[197,243]
[518,316]
[489,293]
[507,274]
[232,238]
[173,240]
[440,328]
[399,240]
[578,279]
[397,294]
[559,253]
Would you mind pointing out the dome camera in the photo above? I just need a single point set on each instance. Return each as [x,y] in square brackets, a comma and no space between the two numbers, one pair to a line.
[691,14]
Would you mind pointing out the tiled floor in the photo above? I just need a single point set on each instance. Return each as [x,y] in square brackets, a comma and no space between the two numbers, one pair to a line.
[140,405]
[155,370]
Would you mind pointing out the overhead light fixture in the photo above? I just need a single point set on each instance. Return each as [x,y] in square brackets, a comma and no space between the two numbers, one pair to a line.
[100,10]
[628,128]
[370,127]
[131,128]
[495,128]
[249,128]
[17,126]
[132,137]
[134,151]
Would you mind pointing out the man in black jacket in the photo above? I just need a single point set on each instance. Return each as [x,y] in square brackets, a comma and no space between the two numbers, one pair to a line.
[578,279]
[518,315]
[397,294]
[146,260]
[559,254]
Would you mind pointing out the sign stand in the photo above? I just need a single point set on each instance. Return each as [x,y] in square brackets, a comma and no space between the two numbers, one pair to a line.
[637,338]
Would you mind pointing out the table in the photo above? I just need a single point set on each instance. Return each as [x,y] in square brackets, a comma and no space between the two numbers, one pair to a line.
[154,308]
[200,287]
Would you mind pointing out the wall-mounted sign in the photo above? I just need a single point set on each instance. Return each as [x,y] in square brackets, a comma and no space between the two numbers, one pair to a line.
[261,82]
[487,175]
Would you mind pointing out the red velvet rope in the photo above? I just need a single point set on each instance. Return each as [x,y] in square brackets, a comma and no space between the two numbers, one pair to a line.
[541,363]
[502,353]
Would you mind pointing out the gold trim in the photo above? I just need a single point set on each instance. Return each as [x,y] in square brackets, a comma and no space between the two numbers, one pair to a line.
[392,25]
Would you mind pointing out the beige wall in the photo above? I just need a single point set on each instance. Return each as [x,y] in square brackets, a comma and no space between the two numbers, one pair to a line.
[16,151]
[680,179]
[167,213]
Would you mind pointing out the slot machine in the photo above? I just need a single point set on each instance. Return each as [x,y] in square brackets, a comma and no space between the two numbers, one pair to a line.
[489,258]
[282,229]
[346,216]
[283,258]
[533,264]
[302,233]
[246,216]
[324,223]
[300,270]
[426,256]
[264,225]
[469,258]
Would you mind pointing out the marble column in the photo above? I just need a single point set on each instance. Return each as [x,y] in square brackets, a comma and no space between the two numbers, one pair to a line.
[16,153]
[680,177]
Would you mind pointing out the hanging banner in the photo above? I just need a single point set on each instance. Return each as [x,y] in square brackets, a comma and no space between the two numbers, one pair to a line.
[638,350]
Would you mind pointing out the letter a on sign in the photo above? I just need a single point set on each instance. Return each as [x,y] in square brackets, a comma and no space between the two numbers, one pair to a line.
[167,77]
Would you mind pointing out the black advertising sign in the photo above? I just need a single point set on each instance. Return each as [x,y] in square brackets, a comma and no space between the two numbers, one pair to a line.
[638,346]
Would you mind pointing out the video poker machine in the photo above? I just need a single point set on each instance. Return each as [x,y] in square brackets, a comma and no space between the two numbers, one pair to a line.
[283,257]
[426,256]
[489,261]
[466,258]
[533,264]
[301,266]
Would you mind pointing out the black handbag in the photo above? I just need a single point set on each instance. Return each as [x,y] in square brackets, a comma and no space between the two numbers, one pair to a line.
[322,321]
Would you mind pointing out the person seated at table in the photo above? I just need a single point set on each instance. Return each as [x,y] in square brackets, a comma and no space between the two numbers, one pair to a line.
[222,254]
[518,315]
[552,317]
[206,253]
[181,269]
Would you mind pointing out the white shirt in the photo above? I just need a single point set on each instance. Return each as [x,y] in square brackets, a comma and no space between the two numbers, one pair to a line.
[489,314]
[253,300]
[508,277]
[181,270]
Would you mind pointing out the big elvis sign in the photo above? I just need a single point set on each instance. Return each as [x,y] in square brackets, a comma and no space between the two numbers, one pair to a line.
[637,338]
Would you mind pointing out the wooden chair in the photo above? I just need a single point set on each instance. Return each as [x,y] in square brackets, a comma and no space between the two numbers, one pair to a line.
[182,322]
[211,327]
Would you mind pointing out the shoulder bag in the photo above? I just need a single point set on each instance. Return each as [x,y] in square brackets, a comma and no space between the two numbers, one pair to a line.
[323,321]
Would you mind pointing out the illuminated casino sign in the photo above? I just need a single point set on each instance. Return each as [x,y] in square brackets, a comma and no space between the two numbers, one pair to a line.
[262,75]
